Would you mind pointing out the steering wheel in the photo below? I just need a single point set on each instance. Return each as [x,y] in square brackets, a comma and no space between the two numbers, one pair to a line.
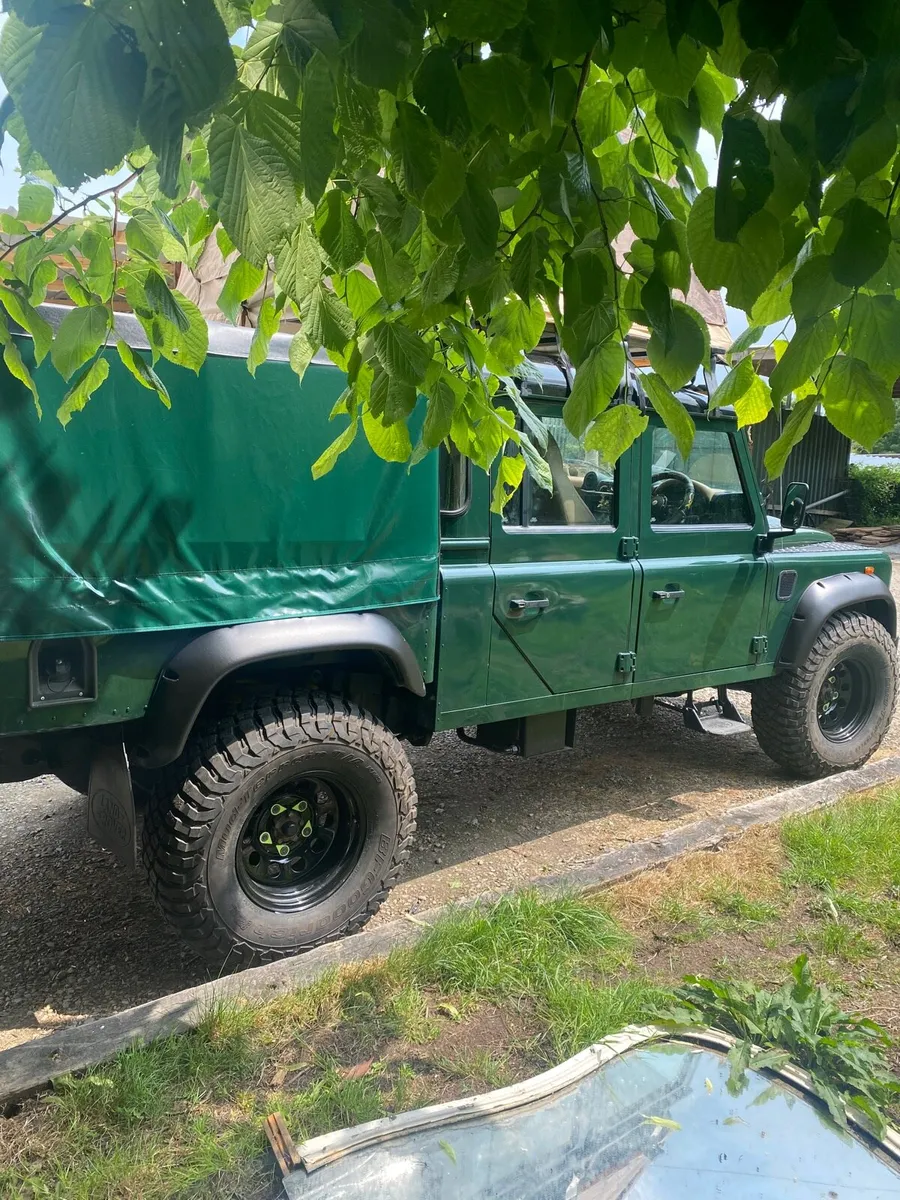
[671,497]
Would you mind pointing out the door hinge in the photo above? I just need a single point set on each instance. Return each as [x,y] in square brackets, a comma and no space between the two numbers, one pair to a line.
[628,547]
[626,662]
[759,647]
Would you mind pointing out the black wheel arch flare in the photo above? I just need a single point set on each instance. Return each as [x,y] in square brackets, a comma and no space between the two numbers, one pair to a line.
[849,590]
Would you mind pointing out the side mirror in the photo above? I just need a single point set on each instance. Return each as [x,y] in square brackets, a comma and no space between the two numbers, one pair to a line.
[793,507]
[793,510]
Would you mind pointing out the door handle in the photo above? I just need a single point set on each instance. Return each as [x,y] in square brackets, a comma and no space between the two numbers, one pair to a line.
[517,605]
[675,594]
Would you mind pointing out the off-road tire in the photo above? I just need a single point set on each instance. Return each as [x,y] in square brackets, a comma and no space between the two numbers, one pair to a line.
[200,802]
[784,707]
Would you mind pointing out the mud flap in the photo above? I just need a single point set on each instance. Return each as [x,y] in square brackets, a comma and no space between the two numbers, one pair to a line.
[111,818]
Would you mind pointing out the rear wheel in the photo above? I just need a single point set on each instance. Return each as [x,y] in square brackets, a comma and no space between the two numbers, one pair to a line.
[281,829]
[830,713]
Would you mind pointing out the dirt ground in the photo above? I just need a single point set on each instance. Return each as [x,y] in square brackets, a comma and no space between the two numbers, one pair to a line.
[80,937]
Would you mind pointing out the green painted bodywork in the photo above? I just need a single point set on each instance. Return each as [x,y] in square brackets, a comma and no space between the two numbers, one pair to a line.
[139,527]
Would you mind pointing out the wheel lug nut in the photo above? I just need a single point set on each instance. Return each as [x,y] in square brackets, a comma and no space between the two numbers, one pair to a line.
[277,809]
[265,838]
[306,831]
[283,849]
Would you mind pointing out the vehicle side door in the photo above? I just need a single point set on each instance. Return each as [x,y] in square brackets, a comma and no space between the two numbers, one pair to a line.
[703,583]
[564,589]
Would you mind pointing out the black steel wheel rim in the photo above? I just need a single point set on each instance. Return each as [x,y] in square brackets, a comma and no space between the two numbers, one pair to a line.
[300,843]
[845,699]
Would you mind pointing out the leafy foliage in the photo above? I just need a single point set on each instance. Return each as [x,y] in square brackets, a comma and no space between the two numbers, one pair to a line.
[421,182]
[873,495]
[845,1054]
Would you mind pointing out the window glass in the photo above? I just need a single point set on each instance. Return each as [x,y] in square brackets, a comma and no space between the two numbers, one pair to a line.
[584,486]
[704,489]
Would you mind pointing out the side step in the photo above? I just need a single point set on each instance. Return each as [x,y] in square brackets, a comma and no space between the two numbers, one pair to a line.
[718,716]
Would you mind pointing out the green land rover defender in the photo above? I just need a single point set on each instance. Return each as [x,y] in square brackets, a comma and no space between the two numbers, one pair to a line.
[229,656]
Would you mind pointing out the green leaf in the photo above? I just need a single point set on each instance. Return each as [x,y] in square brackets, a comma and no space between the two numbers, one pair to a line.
[256,199]
[474,21]
[190,69]
[394,273]
[596,381]
[437,89]
[447,185]
[187,348]
[479,217]
[30,320]
[144,236]
[678,350]
[243,280]
[13,360]
[518,324]
[82,390]
[326,460]
[361,295]
[746,340]
[327,321]
[267,324]
[440,278]
[509,477]
[339,234]
[448,1150]
[756,261]
[302,352]
[815,290]
[161,301]
[670,255]
[745,179]
[713,260]
[493,89]
[298,263]
[403,353]
[80,335]
[862,248]
[807,350]
[672,72]
[300,30]
[615,430]
[755,404]
[18,43]
[671,411]
[318,144]
[35,204]
[872,150]
[441,407]
[601,113]
[390,442]
[875,334]
[276,121]
[795,428]
[143,372]
[528,259]
[857,401]
[82,94]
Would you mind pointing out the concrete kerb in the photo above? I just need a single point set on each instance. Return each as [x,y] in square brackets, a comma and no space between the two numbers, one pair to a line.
[29,1067]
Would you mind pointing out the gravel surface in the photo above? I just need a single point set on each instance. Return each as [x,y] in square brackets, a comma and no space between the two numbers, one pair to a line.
[80,937]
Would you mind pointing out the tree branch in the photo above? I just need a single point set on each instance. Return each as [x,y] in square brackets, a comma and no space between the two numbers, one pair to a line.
[67,212]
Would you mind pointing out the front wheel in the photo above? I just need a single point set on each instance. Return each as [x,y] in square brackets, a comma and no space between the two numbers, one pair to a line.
[832,711]
[280,829]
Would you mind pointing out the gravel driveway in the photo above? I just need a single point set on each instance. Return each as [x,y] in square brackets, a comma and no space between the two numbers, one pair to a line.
[80,937]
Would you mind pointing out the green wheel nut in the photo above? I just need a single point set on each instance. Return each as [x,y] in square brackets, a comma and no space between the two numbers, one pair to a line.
[277,809]
[301,807]
[265,838]
[306,831]
[283,850]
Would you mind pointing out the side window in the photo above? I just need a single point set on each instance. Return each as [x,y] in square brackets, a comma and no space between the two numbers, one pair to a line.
[584,487]
[704,489]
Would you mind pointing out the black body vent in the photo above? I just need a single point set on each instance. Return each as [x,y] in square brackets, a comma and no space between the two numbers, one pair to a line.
[786,583]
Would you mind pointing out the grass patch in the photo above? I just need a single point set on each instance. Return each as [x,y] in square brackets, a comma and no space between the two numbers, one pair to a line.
[855,845]
[492,995]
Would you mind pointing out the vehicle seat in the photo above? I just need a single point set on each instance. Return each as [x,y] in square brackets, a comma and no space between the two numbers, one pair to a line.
[564,506]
